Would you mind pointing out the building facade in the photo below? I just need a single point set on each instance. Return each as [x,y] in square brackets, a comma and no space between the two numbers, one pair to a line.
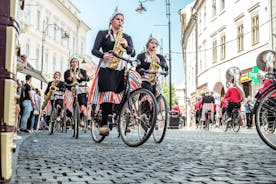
[219,34]
[51,33]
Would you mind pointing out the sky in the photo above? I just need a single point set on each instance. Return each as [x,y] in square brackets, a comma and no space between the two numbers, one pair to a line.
[96,14]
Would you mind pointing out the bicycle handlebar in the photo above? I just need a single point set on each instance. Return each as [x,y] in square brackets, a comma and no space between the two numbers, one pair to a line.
[132,62]
[165,73]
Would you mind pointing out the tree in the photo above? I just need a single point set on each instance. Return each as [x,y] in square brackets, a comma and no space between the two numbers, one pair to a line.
[166,90]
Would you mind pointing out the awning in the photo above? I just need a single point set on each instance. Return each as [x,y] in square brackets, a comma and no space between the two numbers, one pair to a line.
[34,73]
[31,71]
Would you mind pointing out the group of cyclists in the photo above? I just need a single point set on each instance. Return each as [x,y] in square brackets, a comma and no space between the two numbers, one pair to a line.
[108,85]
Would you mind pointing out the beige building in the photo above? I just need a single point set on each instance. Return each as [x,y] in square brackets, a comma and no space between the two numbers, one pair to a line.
[51,32]
[218,34]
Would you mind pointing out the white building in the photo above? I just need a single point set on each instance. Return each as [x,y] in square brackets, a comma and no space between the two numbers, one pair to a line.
[218,34]
[51,32]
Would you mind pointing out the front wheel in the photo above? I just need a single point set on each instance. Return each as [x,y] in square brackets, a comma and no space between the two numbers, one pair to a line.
[161,120]
[265,118]
[225,125]
[96,118]
[137,117]
[76,121]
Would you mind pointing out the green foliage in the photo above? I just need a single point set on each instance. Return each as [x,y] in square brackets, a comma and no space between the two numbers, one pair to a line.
[166,88]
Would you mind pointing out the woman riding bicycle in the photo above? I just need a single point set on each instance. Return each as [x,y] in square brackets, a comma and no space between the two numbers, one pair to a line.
[80,75]
[148,59]
[58,88]
[108,86]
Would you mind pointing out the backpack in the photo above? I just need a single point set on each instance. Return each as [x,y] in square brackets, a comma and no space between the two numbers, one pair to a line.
[22,96]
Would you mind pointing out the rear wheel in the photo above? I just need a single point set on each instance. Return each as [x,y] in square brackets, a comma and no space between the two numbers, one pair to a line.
[225,125]
[265,119]
[161,120]
[236,122]
[137,117]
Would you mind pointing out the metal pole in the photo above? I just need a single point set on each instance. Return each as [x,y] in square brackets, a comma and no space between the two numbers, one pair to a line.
[170,59]
[42,51]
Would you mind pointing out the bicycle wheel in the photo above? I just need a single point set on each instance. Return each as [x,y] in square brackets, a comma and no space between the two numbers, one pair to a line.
[85,123]
[225,125]
[95,127]
[52,122]
[137,117]
[161,121]
[76,120]
[236,122]
[265,119]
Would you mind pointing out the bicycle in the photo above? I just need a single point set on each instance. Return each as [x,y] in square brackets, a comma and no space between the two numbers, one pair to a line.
[134,117]
[55,124]
[265,112]
[162,110]
[235,120]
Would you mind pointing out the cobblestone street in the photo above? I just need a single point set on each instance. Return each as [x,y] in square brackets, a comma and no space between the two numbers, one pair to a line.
[185,156]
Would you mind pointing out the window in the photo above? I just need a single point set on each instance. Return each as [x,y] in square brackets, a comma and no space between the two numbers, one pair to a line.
[27,50]
[54,63]
[214,8]
[205,18]
[55,32]
[222,5]
[38,64]
[214,51]
[255,29]
[38,20]
[240,36]
[222,47]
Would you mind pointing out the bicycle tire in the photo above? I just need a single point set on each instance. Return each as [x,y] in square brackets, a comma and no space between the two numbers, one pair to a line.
[76,119]
[225,125]
[135,124]
[52,121]
[265,119]
[161,120]
[95,129]
[236,122]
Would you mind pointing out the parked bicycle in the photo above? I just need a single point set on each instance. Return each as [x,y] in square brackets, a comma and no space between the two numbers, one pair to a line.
[135,116]
[161,124]
[265,106]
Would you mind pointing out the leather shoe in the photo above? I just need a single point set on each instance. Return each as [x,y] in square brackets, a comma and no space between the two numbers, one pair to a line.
[104,130]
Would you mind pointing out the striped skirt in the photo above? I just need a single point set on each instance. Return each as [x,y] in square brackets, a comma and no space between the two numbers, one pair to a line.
[96,97]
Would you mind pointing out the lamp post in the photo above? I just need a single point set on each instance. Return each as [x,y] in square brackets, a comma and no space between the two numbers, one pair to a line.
[141,9]
[44,31]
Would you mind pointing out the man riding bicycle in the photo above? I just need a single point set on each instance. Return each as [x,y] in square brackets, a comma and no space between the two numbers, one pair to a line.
[75,75]
[234,99]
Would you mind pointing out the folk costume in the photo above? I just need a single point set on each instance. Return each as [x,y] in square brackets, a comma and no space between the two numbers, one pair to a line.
[109,84]
[81,90]
[146,58]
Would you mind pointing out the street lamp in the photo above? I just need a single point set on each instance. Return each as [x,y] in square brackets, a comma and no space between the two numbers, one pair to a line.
[141,9]
[64,35]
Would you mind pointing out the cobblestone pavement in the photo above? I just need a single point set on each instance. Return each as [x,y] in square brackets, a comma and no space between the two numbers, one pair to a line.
[185,156]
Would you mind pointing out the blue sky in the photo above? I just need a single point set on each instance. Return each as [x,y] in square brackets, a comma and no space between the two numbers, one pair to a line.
[139,26]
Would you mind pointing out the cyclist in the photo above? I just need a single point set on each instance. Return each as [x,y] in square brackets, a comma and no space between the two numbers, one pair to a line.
[108,86]
[207,105]
[79,74]
[198,110]
[234,98]
[57,95]
[146,59]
